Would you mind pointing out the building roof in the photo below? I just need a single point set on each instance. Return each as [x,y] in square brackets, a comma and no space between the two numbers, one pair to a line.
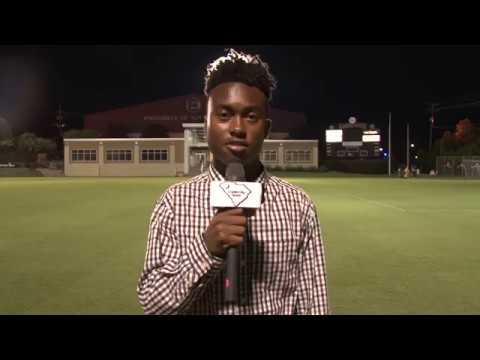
[171,113]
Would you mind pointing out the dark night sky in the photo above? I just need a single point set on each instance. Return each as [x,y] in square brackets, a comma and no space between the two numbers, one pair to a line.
[327,83]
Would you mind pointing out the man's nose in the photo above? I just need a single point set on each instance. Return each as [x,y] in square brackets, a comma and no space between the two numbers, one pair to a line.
[237,126]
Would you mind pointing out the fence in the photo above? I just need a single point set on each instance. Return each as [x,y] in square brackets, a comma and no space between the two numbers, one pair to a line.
[464,166]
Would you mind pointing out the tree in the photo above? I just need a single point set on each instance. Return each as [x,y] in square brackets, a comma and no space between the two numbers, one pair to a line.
[30,144]
[448,143]
[46,146]
[471,149]
[465,141]
[7,145]
[465,132]
[5,130]
[27,143]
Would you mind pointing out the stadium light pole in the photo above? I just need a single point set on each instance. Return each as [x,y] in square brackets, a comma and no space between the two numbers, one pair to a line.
[408,146]
[432,119]
[389,144]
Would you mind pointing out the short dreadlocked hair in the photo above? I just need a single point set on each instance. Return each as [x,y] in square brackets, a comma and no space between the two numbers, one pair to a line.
[240,67]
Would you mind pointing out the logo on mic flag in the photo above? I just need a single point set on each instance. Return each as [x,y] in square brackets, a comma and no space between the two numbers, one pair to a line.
[237,192]
[227,194]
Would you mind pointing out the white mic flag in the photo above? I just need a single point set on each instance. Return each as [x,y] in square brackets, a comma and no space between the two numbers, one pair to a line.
[229,194]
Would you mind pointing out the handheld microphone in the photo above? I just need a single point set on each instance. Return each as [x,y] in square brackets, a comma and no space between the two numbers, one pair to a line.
[234,172]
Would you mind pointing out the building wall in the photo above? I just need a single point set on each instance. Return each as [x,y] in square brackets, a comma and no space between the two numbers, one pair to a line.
[85,168]
[282,147]
[133,167]
[138,170]
[179,153]
[172,113]
[174,165]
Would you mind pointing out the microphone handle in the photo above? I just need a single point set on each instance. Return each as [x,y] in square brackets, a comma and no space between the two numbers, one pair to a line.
[231,279]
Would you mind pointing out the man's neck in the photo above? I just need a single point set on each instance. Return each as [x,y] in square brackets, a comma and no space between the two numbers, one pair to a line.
[252,171]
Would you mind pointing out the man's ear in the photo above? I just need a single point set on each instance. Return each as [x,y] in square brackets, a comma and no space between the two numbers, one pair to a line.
[268,127]
[205,122]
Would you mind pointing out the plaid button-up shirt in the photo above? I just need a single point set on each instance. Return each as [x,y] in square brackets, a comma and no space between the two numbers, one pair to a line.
[282,258]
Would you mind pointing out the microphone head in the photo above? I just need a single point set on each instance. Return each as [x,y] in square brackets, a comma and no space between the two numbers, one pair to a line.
[235,172]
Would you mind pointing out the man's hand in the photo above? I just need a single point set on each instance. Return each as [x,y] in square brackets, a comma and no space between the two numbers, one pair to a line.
[225,230]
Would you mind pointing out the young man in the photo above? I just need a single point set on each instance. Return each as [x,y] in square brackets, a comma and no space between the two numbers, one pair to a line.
[281,248]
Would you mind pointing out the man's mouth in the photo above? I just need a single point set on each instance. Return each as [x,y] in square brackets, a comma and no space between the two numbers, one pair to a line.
[237,146]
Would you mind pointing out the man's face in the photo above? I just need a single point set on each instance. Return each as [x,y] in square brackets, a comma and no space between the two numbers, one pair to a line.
[237,122]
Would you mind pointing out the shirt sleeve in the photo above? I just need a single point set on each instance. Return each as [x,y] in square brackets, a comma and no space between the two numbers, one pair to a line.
[173,276]
[312,291]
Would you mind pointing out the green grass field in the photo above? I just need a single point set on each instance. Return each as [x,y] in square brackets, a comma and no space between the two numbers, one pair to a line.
[394,246]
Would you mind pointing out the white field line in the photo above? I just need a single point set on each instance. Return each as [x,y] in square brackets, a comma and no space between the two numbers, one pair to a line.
[378,203]
[444,210]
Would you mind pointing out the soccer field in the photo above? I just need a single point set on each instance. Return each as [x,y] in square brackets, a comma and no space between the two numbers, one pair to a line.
[394,246]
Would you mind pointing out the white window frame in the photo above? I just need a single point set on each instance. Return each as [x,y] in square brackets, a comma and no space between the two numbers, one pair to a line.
[155,155]
[83,155]
[118,155]
[298,156]
[270,156]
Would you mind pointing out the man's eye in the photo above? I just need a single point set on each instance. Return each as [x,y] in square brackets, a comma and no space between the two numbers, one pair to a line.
[224,115]
[252,117]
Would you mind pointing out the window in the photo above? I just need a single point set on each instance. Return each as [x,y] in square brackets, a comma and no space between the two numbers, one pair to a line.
[84,155]
[269,155]
[119,155]
[298,156]
[155,155]
[199,135]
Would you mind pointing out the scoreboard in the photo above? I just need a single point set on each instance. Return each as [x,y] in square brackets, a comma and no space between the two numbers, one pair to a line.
[353,140]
